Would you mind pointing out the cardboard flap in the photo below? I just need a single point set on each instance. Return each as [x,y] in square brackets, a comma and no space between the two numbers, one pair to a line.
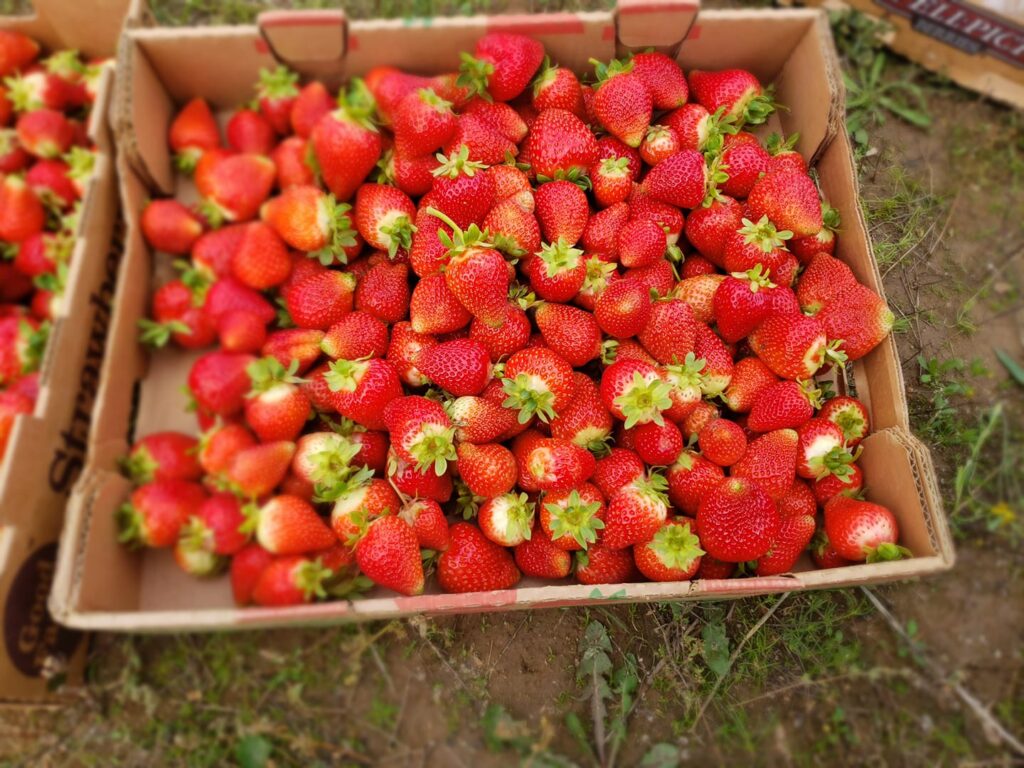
[93,27]
[657,23]
[305,40]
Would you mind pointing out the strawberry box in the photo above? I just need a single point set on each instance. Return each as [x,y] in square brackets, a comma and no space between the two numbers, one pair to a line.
[46,450]
[101,585]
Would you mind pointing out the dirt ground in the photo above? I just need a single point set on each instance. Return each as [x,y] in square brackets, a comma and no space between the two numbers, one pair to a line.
[797,680]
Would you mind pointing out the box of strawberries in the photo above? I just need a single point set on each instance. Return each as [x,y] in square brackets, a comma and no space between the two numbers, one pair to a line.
[58,212]
[490,313]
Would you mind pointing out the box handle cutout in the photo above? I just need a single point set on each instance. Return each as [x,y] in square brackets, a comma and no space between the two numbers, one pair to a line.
[305,37]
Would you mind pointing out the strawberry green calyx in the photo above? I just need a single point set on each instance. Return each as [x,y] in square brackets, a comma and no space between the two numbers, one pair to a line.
[199,561]
[333,473]
[342,234]
[887,551]
[597,276]
[457,163]
[756,278]
[644,400]
[386,168]
[21,94]
[186,161]
[529,395]
[609,351]
[81,162]
[398,231]
[358,105]
[475,75]
[266,373]
[615,167]
[55,281]
[345,375]
[834,353]
[775,144]
[309,578]
[577,175]
[676,547]
[830,216]
[851,421]
[214,213]
[764,235]
[814,395]
[157,335]
[467,503]
[197,279]
[429,97]
[576,519]
[717,174]
[654,486]
[836,461]
[32,345]
[130,526]
[604,72]
[559,257]
[67,64]
[138,466]
[8,140]
[716,128]
[522,296]
[518,511]
[434,447]
[547,75]
[686,374]
[460,242]
[278,83]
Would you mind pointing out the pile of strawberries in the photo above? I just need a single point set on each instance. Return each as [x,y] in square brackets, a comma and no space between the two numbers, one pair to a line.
[46,159]
[499,323]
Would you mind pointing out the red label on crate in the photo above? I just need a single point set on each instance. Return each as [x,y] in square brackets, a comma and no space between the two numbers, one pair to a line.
[34,641]
[963,26]
[69,456]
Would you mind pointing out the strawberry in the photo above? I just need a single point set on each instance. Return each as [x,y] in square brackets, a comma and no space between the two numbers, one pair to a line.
[212,252]
[163,456]
[750,376]
[219,382]
[12,405]
[249,131]
[553,464]
[422,123]
[823,241]
[506,339]
[461,367]
[698,290]
[663,77]
[754,244]
[421,433]
[795,533]
[560,146]
[299,345]
[290,580]
[690,479]
[659,143]
[685,381]
[717,373]
[262,260]
[658,444]
[634,392]
[824,278]
[346,144]
[478,420]
[44,133]
[12,157]
[635,512]
[329,463]
[601,235]
[737,521]
[783,405]
[311,104]
[501,117]
[192,132]
[770,461]
[360,504]
[276,409]
[641,243]
[861,530]
[737,91]
[789,200]
[489,470]
[417,483]
[218,446]
[427,520]
[247,566]
[679,180]
[792,346]
[52,183]
[741,303]
[511,183]
[384,217]
[622,102]
[389,86]
[556,272]
[434,309]
[383,291]
[618,469]
[357,334]
[389,555]
[850,415]
[599,274]
[612,180]
[709,228]
[309,220]
[624,308]
[502,65]
[829,486]
[659,278]
[556,87]
[287,525]
[462,190]
[320,300]
[233,187]
[572,519]
[360,389]
[722,442]
[601,565]
[473,563]
[17,51]
[276,93]
[21,212]
[672,554]
[256,471]
[799,500]
[570,332]
[507,519]
[745,161]
[539,557]
[824,554]
[821,451]
[413,174]
[538,382]
[514,230]
[481,140]
[169,226]
[670,333]
[858,319]
[290,160]
[156,512]
[405,346]
[562,211]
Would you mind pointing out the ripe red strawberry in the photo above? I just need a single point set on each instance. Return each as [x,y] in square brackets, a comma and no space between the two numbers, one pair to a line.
[346,144]
[362,388]
[390,86]
[320,300]
[290,580]
[481,139]
[249,131]
[670,333]
[685,381]
[218,446]
[507,519]
[634,392]
[309,220]
[539,557]
[553,464]
[799,500]
[658,445]
[659,143]
[616,470]
[289,158]
[21,212]
[427,520]
[499,116]
[17,51]
[571,519]
[276,92]
[622,102]
[698,290]
[601,235]
[709,228]
[462,190]
[12,405]
[276,408]
[659,277]
[262,260]
[824,278]
[513,229]
[461,367]
[560,146]
[247,566]
[192,132]
[570,332]
[478,420]
[562,211]
[45,133]
[413,174]
[792,346]
[722,442]
[472,563]
[663,77]
[417,483]
[287,525]
[405,346]
[741,303]
[294,344]
[623,309]
[512,183]
[756,244]
[12,157]
[434,309]
[612,180]
[585,422]
[821,451]
[770,461]
[310,105]
[219,382]
[744,160]
[680,180]
[850,415]
[672,554]
[824,554]
[737,521]
[163,456]
[502,65]
[861,530]
[790,200]
[795,533]
[635,512]
[641,243]
[849,484]
[717,373]
[783,405]
[384,217]
[556,272]
[51,180]
[384,291]
[357,334]
[737,91]
[169,226]
[750,376]
[421,433]
[599,274]
[360,504]
[488,470]
[422,123]
[557,88]
[233,187]
[156,512]
[690,479]
[824,241]
[257,470]
[538,382]
[389,555]
[601,565]
[858,319]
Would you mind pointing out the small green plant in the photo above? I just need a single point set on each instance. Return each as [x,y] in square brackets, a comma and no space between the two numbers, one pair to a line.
[872,97]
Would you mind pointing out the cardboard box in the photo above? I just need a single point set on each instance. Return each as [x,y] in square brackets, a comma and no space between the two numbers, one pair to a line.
[46,452]
[979,45]
[101,585]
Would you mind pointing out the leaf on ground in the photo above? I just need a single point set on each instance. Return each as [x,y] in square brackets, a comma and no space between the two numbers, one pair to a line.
[661,756]
[1012,366]
[716,648]
[253,752]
